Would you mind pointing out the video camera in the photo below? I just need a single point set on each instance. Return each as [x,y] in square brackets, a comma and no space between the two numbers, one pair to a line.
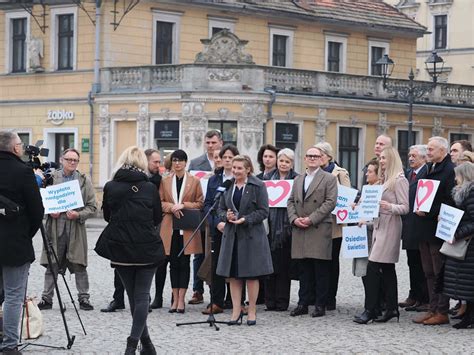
[34,151]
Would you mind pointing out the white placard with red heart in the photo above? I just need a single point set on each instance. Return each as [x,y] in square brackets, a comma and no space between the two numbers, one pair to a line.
[425,194]
[203,177]
[448,221]
[354,242]
[345,197]
[347,215]
[278,192]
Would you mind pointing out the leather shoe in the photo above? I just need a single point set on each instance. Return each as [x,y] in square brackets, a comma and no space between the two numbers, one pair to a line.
[413,307]
[407,303]
[319,311]
[215,309]
[197,298]
[299,311]
[112,307]
[420,319]
[425,307]
[437,319]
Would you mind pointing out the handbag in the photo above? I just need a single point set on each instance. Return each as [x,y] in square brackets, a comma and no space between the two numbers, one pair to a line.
[32,320]
[188,221]
[456,250]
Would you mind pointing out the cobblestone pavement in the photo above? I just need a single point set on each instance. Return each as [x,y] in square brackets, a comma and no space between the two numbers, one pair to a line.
[276,332]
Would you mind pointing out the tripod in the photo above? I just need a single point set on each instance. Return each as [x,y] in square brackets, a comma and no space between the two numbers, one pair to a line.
[211,320]
[48,246]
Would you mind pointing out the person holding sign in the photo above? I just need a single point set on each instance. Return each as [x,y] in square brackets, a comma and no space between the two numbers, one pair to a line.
[67,232]
[277,286]
[342,175]
[459,274]
[440,168]
[386,239]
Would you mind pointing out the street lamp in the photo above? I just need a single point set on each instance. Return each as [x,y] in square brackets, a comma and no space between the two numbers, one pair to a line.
[434,65]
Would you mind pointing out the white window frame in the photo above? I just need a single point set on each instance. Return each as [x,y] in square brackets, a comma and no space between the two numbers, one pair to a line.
[454,131]
[27,131]
[433,36]
[297,161]
[221,23]
[339,38]
[9,16]
[362,138]
[50,142]
[377,43]
[290,34]
[175,19]
[55,12]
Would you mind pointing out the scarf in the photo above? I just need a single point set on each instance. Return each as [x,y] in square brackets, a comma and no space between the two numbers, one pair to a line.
[330,167]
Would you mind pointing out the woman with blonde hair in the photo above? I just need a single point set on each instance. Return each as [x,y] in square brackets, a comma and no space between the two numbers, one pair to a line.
[386,239]
[131,242]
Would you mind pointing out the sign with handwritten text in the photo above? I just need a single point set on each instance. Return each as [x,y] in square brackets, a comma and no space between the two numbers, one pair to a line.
[62,197]
[448,221]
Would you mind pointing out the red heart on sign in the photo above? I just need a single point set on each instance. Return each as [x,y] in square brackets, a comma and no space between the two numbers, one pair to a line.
[424,191]
[282,185]
[342,214]
[200,174]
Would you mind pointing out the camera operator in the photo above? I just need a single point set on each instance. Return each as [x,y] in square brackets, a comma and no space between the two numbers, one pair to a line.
[18,188]
[67,232]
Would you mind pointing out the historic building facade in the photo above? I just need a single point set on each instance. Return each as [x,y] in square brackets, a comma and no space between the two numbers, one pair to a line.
[161,73]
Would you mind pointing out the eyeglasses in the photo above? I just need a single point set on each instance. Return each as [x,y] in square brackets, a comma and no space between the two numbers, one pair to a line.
[20,144]
[310,156]
[71,160]
[177,160]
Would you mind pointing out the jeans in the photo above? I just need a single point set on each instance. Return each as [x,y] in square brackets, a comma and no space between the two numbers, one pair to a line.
[137,282]
[198,284]
[14,285]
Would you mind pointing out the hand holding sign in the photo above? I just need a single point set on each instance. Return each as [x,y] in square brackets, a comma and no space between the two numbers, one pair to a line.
[345,197]
[278,192]
[354,242]
[61,198]
[370,201]
[448,221]
[425,194]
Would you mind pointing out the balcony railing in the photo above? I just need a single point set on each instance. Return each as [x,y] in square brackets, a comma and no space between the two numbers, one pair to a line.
[235,78]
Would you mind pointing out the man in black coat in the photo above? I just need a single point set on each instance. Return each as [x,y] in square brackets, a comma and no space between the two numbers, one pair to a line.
[418,296]
[18,185]
[440,168]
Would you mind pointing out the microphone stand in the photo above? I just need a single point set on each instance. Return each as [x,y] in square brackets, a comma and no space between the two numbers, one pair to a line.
[211,320]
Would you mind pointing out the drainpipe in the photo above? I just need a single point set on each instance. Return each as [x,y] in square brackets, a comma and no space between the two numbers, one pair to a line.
[272,93]
[90,102]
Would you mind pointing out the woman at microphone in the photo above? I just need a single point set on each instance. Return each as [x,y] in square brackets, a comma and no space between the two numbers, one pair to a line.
[221,178]
[245,252]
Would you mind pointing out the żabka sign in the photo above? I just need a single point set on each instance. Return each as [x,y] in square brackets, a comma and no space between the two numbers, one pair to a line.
[57,117]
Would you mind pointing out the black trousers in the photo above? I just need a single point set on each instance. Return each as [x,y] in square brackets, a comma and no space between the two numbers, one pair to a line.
[418,286]
[118,289]
[160,278]
[379,274]
[278,285]
[218,287]
[179,267]
[314,282]
[334,278]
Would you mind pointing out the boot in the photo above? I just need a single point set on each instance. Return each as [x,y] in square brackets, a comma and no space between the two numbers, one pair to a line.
[460,312]
[131,346]
[147,346]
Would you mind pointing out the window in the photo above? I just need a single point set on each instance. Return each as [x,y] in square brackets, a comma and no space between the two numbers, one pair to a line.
[65,42]
[164,43]
[228,129]
[349,151]
[458,137]
[166,136]
[440,31]
[25,139]
[376,53]
[404,145]
[18,45]
[281,47]
[336,49]
[217,24]
[286,135]
[63,141]
[166,26]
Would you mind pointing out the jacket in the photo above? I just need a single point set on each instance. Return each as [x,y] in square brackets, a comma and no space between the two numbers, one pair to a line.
[200,163]
[343,179]
[132,207]
[18,183]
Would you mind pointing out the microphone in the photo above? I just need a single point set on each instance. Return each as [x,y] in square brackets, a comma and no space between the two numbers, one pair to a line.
[223,188]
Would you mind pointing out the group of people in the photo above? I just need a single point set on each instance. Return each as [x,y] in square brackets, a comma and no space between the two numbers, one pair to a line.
[247,250]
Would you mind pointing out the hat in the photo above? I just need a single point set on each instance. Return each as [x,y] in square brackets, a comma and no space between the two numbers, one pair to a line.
[326,148]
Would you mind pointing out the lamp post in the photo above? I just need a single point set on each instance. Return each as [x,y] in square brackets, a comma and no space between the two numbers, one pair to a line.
[413,91]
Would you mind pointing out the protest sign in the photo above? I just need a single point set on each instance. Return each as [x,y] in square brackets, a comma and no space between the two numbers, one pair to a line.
[354,242]
[370,201]
[425,194]
[278,192]
[348,215]
[449,218]
[203,177]
[62,197]
[345,197]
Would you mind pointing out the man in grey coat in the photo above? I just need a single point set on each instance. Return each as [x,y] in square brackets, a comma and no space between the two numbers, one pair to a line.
[310,204]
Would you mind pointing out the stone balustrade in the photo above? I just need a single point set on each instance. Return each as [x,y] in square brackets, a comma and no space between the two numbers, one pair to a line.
[248,77]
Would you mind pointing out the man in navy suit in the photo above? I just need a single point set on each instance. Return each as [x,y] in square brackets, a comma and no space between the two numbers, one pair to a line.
[418,297]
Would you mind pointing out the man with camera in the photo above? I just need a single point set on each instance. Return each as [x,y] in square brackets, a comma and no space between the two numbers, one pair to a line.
[67,233]
[21,213]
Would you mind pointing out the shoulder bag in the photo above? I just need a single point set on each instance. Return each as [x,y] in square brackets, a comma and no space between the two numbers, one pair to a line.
[456,250]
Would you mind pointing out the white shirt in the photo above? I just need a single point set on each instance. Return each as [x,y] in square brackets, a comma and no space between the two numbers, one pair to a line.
[309,178]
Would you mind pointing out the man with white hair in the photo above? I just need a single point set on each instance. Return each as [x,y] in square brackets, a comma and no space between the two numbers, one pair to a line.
[440,168]
[418,296]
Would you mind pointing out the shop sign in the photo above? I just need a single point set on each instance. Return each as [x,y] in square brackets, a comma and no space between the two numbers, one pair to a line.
[57,117]
[167,130]
[286,133]
[85,145]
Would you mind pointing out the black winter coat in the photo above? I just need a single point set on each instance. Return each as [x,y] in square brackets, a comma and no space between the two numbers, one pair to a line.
[459,274]
[18,183]
[132,206]
[425,227]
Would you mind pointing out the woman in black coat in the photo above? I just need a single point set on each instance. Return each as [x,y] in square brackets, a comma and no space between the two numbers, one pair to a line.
[132,206]
[459,274]
[245,253]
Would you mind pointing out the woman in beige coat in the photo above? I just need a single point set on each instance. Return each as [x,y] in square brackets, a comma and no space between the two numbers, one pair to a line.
[386,239]
[342,175]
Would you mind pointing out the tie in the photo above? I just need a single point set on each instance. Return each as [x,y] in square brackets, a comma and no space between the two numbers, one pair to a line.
[413,176]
